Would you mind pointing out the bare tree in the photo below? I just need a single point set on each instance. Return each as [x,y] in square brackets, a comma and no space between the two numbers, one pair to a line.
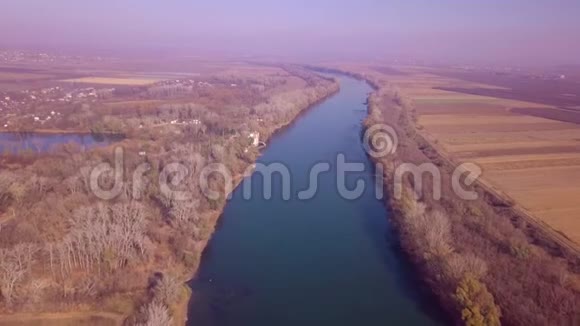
[36,290]
[10,275]
[6,179]
[460,265]
[183,211]
[74,184]
[99,234]
[156,314]
[437,234]
[416,209]
[167,289]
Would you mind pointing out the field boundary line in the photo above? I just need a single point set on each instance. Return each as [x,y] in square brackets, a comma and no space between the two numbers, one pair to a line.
[516,208]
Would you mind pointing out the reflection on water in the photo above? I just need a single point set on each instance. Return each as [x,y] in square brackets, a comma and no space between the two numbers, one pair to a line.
[16,142]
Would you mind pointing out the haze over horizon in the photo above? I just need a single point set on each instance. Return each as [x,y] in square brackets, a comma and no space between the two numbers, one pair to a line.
[515,32]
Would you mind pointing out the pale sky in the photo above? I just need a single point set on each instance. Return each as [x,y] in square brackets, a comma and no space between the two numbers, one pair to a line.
[526,31]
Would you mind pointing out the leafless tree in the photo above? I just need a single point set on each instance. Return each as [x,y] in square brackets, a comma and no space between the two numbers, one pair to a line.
[10,275]
[416,209]
[6,179]
[38,184]
[184,211]
[36,290]
[167,289]
[156,314]
[438,233]
[74,184]
[460,265]
[99,234]
[19,254]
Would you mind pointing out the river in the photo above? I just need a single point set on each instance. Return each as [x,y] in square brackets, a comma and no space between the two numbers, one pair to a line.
[322,261]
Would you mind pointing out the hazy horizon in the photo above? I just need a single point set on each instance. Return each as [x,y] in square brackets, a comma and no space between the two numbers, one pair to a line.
[515,32]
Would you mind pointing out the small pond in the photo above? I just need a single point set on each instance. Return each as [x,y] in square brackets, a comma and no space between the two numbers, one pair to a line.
[16,142]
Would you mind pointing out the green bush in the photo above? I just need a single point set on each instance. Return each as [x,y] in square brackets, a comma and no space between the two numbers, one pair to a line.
[520,250]
[478,306]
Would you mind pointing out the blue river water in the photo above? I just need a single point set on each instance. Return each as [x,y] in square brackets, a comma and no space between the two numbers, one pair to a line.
[321,261]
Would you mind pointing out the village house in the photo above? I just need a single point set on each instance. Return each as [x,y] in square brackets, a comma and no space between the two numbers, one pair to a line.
[255,138]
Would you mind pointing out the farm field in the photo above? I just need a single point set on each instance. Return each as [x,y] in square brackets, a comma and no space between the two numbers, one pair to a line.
[139,72]
[13,76]
[113,81]
[528,148]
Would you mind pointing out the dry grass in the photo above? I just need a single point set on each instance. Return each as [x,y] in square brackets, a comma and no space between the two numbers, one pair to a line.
[63,319]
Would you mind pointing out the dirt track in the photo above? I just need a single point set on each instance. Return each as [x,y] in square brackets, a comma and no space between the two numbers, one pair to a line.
[63,319]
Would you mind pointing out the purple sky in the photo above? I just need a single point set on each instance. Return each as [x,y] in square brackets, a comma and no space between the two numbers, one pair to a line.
[522,31]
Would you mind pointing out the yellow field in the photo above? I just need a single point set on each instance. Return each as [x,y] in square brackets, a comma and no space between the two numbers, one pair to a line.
[12,76]
[114,81]
[533,160]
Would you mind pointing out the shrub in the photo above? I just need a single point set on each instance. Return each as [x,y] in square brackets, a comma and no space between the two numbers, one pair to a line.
[155,314]
[478,306]
[167,289]
[6,179]
[438,234]
[458,265]
[190,259]
[519,249]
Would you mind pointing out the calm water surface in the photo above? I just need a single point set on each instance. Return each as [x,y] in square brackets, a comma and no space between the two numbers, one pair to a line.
[324,261]
[14,142]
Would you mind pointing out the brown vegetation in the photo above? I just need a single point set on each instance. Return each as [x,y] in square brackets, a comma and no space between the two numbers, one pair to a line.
[485,261]
[528,156]
[63,249]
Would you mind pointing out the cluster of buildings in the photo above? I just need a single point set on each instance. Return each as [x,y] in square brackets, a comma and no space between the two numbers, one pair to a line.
[15,100]
[47,118]
[14,106]
[87,93]
[19,56]
[25,56]
[185,122]
[199,83]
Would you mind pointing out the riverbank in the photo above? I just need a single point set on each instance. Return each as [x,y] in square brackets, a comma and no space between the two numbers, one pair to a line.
[329,259]
[470,253]
[182,306]
[168,235]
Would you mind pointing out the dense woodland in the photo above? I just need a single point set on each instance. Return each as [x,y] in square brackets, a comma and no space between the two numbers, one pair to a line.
[63,249]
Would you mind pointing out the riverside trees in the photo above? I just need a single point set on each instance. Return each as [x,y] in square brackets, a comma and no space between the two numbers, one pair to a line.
[61,246]
[477,256]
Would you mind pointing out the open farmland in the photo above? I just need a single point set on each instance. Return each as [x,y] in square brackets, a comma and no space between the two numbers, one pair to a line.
[528,149]
[522,222]
[113,81]
[13,76]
